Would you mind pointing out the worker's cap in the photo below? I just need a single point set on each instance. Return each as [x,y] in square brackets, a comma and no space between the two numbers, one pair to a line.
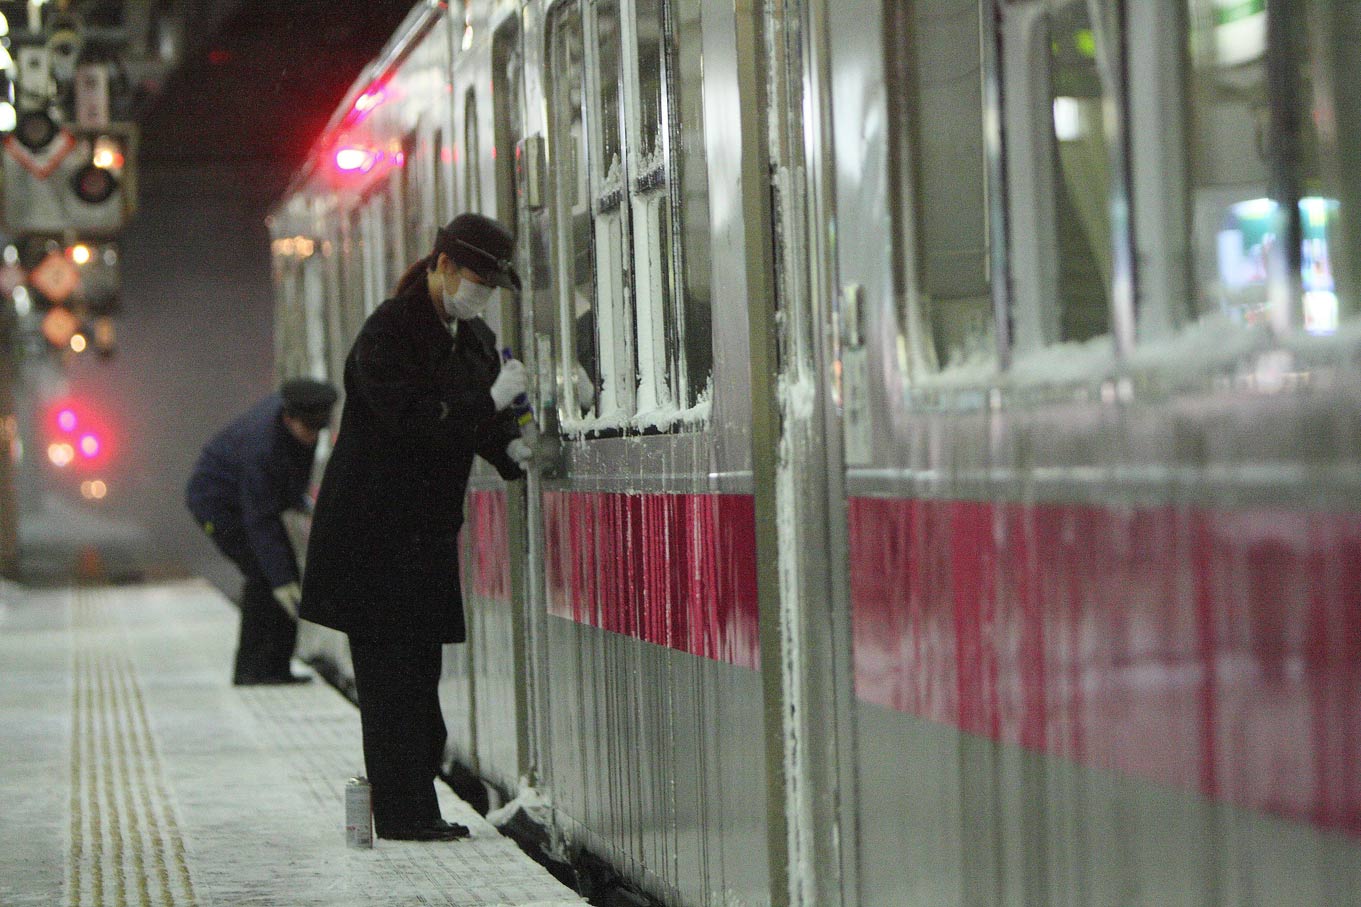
[309,401]
[483,246]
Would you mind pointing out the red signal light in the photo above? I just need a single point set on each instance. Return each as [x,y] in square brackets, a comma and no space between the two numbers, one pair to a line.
[77,436]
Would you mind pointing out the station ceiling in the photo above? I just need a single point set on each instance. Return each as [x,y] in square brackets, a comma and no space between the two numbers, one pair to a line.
[262,85]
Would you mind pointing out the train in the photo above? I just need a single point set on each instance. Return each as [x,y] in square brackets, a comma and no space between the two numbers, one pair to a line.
[948,486]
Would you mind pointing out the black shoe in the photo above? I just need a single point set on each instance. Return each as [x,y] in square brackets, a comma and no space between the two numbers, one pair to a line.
[433,830]
[273,680]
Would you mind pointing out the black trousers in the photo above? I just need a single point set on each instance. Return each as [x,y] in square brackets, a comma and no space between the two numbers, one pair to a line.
[268,634]
[403,729]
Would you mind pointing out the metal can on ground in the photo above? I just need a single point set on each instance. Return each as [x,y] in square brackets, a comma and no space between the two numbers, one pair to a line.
[358,813]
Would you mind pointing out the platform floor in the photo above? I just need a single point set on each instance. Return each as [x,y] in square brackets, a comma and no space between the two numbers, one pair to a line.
[133,773]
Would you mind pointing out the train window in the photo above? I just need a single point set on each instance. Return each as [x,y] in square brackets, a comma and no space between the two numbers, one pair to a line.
[472,176]
[352,265]
[314,312]
[651,216]
[637,339]
[614,342]
[1079,100]
[683,89]
[572,211]
[651,73]
[375,249]
[389,199]
[607,45]
[937,144]
[1256,152]
[413,199]
[442,212]
[337,343]
[506,125]
[343,289]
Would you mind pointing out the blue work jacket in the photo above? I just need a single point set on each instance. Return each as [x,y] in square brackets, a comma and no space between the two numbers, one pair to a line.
[247,476]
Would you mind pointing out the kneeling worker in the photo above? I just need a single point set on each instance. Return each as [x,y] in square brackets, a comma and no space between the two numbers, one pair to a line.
[247,476]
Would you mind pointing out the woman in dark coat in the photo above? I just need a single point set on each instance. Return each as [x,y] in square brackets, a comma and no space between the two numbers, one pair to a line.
[424,391]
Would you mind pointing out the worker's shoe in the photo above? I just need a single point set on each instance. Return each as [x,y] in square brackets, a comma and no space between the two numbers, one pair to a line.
[251,680]
[430,830]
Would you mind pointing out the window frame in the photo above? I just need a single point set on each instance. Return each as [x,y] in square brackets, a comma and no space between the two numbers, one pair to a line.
[472,158]
[637,225]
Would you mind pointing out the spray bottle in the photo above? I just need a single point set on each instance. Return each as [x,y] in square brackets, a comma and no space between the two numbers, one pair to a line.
[524,413]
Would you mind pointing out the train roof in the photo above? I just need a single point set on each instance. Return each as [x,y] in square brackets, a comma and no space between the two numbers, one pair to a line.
[417,24]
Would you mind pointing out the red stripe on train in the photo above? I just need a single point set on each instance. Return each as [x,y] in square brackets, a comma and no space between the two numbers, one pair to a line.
[1210,651]
[672,569]
[483,544]
[1216,651]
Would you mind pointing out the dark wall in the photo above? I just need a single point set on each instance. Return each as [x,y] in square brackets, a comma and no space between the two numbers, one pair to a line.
[196,340]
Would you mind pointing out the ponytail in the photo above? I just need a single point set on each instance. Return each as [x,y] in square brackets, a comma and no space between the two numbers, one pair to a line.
[414,275]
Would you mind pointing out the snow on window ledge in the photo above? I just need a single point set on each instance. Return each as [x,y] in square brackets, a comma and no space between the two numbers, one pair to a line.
[1213,346]
[666,417]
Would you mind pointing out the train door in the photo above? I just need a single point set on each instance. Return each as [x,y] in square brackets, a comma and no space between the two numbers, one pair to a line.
[891,206]
[809,716]
[930,142]
[496,509]
[1015,164]
[650,653]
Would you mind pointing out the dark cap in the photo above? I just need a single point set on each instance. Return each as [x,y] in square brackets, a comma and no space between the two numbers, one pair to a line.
[483,246]
[309,401]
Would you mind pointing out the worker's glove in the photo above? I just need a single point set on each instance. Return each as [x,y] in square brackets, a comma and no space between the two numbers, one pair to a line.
[511,383]
[520,452]
[289,597]
[585,389]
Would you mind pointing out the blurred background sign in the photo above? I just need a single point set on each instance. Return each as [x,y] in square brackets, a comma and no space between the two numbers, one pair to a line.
[59,325]
[56,277]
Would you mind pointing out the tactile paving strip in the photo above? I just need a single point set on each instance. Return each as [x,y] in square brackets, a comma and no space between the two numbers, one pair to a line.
[189,793]
[126,845]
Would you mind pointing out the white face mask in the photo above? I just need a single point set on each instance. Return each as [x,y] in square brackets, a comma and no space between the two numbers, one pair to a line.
[468,301]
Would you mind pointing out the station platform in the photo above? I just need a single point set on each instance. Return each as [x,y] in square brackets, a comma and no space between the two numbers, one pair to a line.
[133,773]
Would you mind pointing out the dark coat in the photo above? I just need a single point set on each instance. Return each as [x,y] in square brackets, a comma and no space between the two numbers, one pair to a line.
[248,474]
[382,559]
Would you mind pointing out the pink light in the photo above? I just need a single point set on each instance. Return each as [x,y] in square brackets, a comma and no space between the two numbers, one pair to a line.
[66,420]
[369,100]
[89,446]
[355,160]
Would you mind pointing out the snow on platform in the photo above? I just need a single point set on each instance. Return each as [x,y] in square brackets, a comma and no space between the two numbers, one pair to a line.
[133,773]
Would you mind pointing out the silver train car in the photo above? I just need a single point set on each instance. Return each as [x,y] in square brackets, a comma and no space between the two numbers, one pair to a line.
[950,462]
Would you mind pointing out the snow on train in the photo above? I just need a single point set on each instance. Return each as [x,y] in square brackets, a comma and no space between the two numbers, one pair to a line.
[956,434]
